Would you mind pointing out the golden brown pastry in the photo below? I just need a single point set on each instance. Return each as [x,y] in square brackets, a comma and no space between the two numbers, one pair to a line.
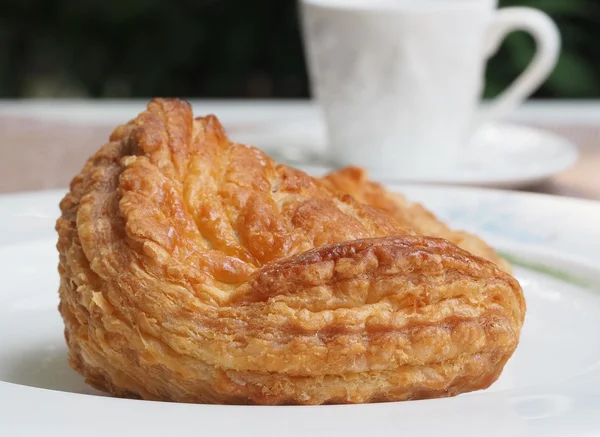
[194,269]
[354,181]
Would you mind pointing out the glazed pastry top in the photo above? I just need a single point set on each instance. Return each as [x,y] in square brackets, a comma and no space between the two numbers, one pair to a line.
[354,180]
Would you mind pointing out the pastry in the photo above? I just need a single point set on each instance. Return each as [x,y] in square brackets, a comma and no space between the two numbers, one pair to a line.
[354,180]
[195,269]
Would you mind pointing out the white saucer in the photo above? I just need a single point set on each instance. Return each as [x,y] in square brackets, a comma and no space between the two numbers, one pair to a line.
[509,156]
[503,155]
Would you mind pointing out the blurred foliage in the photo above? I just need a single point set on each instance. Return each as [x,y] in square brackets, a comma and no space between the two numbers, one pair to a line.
[577,74]
[224,48]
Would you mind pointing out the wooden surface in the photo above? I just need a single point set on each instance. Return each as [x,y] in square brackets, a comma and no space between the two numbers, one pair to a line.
[583,179]
[42,154]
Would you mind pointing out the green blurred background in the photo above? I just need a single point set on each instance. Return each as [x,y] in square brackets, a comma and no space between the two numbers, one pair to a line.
[225,49]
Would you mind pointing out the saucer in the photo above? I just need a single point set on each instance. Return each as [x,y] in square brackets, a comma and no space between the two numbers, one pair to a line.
[506,155]
[502,155]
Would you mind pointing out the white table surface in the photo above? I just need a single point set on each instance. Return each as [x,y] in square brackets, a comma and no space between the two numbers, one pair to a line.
[561,112]
[78,127]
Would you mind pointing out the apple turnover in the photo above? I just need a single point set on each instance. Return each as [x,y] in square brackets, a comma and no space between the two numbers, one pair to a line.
[195,269]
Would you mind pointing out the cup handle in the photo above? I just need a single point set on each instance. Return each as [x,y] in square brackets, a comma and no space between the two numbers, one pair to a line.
[547,39]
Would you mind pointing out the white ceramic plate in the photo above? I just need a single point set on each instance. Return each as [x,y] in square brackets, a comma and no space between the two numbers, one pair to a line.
[550,388]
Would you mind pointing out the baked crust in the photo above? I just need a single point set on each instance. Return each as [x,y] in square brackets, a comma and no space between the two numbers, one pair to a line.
[355,181]
[194,269]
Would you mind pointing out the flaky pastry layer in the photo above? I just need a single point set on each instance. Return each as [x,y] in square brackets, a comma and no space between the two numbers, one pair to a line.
[354,181]
[194,269]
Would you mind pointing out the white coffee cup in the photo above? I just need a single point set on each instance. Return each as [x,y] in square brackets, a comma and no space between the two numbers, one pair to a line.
[400,81]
